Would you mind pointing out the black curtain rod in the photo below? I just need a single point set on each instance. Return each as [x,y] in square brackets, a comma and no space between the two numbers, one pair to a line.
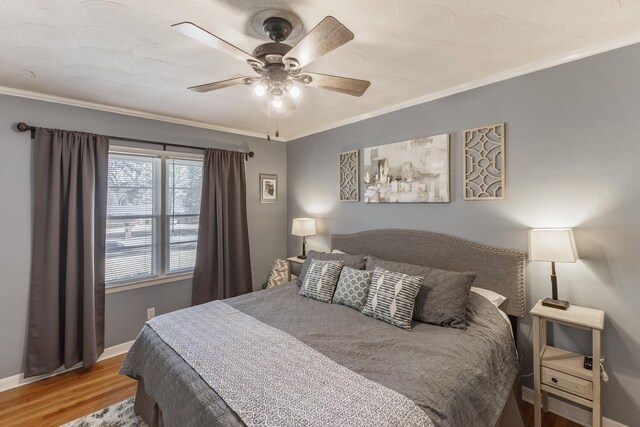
[23,127]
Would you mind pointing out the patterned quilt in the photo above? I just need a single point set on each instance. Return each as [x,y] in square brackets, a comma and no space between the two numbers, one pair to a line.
[268,377]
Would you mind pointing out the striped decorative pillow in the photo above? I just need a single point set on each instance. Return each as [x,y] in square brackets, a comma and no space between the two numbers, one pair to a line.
[320,280]
[392,296]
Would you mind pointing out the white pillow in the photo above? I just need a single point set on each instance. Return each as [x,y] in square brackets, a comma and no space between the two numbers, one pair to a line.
[338,251]
[494,297]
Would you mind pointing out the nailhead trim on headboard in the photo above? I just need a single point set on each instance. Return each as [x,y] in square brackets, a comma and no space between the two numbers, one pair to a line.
[519,254]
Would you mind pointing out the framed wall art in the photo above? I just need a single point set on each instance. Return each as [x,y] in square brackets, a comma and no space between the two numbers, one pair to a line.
[268,188]
[349,176]
[484,163]
[414,171]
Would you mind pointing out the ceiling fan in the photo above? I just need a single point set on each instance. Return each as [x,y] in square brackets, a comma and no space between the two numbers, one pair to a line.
[279,65]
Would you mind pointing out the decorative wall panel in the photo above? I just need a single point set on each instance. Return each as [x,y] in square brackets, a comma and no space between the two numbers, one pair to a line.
[349,176]
[484,163]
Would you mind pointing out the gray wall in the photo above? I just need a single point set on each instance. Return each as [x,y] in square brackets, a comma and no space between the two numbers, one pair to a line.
[572,156]
[125,311]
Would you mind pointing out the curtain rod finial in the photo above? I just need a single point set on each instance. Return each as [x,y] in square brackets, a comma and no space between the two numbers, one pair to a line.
[23,127]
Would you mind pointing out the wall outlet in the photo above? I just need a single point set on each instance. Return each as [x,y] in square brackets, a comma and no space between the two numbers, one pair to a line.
[151,313]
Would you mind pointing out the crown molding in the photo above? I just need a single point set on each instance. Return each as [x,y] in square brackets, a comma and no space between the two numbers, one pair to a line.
[627,40]
[21,93]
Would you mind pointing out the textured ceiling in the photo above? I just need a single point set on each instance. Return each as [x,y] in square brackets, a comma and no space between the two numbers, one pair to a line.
[124,54]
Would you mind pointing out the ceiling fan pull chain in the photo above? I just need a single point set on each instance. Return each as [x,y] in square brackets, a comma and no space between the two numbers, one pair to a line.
[277,126]
[268,121]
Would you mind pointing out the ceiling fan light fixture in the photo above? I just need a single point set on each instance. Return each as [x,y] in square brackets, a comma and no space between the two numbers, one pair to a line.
[259,90]
[276,102]
[294,91]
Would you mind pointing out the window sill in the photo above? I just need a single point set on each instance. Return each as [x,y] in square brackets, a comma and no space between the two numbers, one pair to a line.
[146,283]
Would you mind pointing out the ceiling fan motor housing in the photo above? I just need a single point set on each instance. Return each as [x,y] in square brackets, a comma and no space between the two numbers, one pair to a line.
[277,28]
[271,53]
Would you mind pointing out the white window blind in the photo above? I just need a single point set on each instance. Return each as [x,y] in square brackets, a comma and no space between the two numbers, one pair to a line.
[184,185]
[152,223]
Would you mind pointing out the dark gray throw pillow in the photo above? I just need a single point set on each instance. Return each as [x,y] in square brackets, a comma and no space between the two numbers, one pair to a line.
[353,261]
[442,299]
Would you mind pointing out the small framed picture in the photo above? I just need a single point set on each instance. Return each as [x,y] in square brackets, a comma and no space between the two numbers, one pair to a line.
[268,188]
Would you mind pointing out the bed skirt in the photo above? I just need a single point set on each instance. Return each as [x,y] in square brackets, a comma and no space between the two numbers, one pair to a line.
[146,407]
[511,416]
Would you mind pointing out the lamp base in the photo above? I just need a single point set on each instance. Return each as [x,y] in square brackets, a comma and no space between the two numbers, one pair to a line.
[302,256]
[554,303]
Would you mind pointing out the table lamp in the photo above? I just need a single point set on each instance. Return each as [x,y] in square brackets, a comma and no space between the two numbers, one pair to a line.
[554,245]
[303,227]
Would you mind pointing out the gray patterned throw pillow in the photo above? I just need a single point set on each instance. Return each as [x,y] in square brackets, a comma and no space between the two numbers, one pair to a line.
[353,287]
[320,280]
[392,296]
[278,274]
[354,261]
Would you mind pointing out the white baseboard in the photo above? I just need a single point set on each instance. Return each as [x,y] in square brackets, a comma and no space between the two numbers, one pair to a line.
[19,379]
[574,413]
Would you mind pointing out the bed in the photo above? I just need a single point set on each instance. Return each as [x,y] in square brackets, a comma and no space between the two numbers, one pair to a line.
[454,377]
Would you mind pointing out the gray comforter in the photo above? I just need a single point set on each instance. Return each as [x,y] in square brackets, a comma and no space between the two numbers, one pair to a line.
[459,378]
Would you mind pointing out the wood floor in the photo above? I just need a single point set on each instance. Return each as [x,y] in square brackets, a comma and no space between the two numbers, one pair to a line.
[548,419]
[64,398]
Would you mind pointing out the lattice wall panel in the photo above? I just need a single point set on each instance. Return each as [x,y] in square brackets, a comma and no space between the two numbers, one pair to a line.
[350,176]
[484,163]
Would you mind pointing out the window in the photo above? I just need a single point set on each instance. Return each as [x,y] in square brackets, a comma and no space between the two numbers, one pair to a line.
[153,208]
[184,180]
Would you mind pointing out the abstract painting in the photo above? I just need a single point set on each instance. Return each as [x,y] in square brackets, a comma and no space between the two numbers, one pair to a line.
[414,171]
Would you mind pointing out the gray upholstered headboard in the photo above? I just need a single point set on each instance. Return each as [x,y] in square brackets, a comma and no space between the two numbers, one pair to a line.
[499,270]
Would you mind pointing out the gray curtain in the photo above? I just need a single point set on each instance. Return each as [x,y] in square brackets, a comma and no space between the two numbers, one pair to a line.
[223,265]
[66,303]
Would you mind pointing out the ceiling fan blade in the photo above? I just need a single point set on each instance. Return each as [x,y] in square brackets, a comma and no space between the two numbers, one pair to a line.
[346,85]
[328,35]
[208,87]
[203,36]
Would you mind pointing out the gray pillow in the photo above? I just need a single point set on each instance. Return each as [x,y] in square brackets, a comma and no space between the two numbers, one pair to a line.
[442,299]
[321,279]
[353,261]
[392,296]
[353,288]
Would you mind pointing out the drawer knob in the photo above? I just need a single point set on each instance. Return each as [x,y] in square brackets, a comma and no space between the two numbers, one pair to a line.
[555,380]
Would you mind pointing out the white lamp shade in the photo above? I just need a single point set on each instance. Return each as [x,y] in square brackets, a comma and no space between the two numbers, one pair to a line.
[303,227]
[552,244]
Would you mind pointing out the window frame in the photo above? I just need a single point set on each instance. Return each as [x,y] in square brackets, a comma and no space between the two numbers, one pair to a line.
[163,276]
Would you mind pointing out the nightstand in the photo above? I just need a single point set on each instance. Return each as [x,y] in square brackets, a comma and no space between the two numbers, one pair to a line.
[561,372]
[294,260]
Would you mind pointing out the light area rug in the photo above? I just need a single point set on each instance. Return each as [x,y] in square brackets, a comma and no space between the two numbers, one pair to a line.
[118,415]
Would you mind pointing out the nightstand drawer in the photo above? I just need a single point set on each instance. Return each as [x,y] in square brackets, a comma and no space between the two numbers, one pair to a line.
[568,383]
